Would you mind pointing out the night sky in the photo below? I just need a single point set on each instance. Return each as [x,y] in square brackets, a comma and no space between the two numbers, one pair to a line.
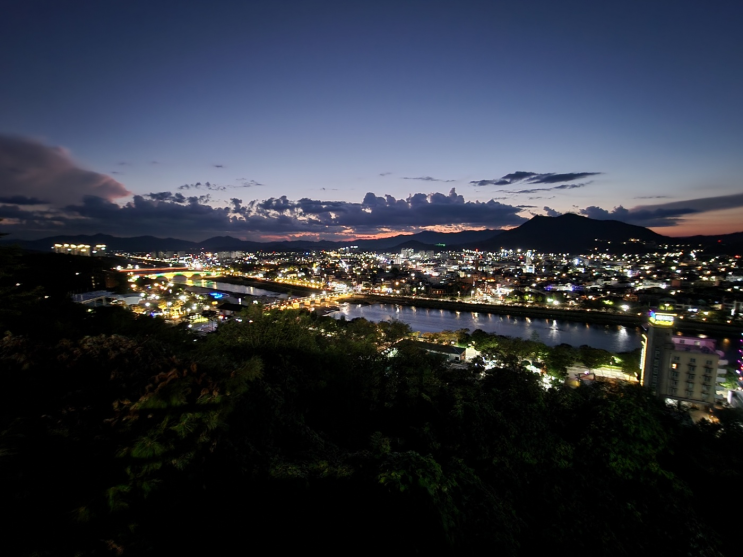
[285,119]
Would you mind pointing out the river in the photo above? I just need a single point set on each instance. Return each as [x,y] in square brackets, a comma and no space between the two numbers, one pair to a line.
[615,338]
[234,288]
[552,332]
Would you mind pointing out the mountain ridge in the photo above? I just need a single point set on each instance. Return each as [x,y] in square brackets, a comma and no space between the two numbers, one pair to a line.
[571,233]
[568,233]
[229,243]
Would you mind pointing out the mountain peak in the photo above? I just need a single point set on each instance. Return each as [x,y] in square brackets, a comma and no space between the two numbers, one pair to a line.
[572,233]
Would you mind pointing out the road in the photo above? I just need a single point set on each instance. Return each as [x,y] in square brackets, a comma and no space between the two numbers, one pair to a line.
[609,373]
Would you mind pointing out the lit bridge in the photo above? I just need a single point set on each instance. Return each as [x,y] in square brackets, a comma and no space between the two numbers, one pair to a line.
[170,272]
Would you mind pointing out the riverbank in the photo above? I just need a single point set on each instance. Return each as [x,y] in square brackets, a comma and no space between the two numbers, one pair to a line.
[581,316]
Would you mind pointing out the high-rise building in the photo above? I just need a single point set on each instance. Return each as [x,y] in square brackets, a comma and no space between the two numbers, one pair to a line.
[677,367]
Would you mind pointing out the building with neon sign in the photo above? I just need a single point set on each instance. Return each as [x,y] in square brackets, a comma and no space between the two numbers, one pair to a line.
[680,368]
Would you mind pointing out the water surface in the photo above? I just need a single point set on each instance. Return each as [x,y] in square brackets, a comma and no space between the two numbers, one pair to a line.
[236,288]
[616,338]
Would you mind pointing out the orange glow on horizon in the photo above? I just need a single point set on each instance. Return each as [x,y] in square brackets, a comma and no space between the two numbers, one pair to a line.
[712,223]
[349,236]
[723,222]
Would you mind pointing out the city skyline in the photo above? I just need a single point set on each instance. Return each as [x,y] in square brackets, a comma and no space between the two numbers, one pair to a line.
[332,120]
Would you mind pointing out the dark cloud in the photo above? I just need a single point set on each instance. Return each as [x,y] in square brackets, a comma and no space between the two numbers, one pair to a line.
[562,187]
[247,184]
[206,185]
[644,217]
[665,214]
[496,182]
[551,212]
[218,187]
[12,212]
[526,206]
[173,214]
[197,216]
[167,196]
[506,180]
[115,172]
[375,212]
[218,165]
[385,173]
[518,176]
[534,178]
[428,179]
[552,178]
[148,216]
[124,163]
[22,200]
[652,197]
[32,169]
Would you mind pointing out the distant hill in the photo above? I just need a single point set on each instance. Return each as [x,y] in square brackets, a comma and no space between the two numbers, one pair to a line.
[218,243]
[426,239]
[417,246]
[567,233]
[733,238]
[455,238]
[571,233]
[135,244]
[729,244]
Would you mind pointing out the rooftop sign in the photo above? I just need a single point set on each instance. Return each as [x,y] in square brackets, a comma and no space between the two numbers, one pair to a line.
[662,319]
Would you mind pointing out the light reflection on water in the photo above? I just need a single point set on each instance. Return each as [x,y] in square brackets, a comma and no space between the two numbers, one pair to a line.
[237,288]
[552,332]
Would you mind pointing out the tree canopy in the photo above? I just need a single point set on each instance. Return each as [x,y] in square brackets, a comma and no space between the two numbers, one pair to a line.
[123,435]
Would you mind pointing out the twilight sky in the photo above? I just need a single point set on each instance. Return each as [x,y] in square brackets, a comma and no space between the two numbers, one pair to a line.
[331,119]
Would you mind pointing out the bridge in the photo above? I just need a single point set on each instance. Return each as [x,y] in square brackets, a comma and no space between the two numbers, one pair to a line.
[169,272]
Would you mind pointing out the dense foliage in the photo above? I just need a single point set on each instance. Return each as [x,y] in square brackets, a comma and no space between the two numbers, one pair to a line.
[123,435]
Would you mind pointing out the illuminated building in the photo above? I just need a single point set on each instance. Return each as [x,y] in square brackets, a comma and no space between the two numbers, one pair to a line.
[680,368]
[80,249]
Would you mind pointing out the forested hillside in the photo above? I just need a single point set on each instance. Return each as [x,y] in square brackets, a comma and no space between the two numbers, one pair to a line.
[285,431]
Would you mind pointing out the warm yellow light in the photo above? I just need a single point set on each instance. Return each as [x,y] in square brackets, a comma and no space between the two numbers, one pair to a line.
[662,319]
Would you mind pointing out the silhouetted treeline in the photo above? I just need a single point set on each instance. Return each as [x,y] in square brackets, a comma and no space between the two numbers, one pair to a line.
[285,431]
